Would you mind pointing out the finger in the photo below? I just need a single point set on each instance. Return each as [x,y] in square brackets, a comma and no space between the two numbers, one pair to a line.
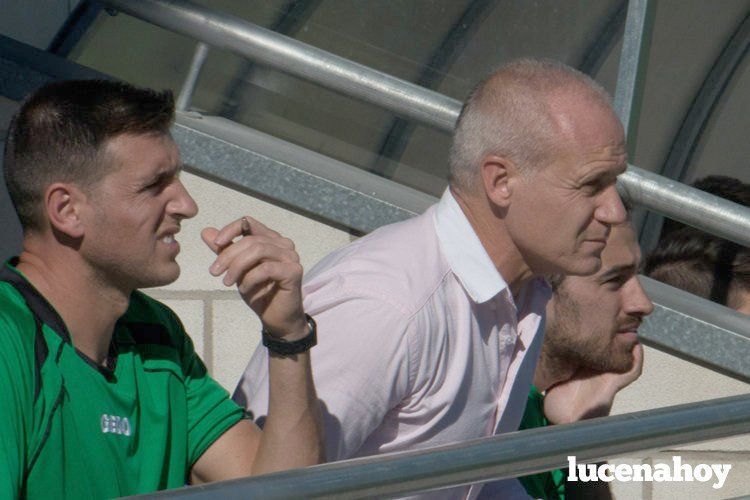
[208,235]
[285,275]
[253,245]
[228,233]
[244,261]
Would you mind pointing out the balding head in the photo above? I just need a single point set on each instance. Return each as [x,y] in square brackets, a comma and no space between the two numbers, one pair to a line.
[521,112]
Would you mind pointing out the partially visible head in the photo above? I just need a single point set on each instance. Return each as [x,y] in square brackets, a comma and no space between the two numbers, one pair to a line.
[592,321]
[540,141]
[60,134]
[729,188]
[93,171]
[704,265]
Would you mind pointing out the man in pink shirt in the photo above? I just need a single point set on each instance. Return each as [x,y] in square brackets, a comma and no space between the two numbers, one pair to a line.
[429,329]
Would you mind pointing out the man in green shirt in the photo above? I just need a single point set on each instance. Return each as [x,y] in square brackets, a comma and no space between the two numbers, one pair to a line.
[103,395]
[590,352]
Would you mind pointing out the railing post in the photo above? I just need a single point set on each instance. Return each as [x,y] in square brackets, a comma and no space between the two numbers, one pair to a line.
[188,87]
[631,77]
[487,459]
[631,73]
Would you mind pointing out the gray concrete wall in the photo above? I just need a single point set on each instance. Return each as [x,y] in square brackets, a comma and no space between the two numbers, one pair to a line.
[10,229]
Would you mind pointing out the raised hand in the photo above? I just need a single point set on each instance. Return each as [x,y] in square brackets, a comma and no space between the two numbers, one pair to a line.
[266,269]
[589,394]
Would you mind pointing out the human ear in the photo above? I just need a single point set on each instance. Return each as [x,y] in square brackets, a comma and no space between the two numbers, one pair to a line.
[498,177]
[62,203]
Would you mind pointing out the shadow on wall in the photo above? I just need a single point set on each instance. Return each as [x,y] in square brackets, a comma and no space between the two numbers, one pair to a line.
[10,229]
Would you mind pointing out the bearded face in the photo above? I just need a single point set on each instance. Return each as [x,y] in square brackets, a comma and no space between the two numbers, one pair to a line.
[583,338]
[593,321]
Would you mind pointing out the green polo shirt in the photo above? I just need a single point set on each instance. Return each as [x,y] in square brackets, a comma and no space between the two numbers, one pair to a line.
[70,428]
[549,485]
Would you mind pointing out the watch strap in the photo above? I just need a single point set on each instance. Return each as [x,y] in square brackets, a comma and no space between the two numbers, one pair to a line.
[287,348]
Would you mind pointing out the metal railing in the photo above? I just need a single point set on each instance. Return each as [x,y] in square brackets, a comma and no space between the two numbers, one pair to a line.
[678,201]
[295,58]
[697,330]
[541,449]
[499,457]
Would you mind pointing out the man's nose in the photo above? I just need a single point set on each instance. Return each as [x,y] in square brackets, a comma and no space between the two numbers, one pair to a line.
[610,210]
[637,302]
[182,204]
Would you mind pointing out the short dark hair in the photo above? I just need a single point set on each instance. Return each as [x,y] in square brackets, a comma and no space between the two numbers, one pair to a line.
[702,264]
[60,131]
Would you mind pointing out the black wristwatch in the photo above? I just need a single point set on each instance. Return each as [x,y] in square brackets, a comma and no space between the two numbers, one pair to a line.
[286,348]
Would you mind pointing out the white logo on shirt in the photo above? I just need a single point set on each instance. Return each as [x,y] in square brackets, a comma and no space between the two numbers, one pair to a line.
[115,425]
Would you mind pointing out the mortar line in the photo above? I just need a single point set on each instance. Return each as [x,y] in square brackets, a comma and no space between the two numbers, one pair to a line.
[208,336]
[193,294]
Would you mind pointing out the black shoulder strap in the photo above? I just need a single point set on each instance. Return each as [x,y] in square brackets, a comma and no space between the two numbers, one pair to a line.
[30,296]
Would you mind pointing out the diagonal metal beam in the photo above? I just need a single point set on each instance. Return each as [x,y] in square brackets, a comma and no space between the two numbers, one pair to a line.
[292,18]
[498,457]
[295,58]
[697,330]
[597,53]
[265,166]
[688,138]
[71,32]
[397,138]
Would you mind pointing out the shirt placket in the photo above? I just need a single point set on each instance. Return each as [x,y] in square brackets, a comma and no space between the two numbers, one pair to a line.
[506,315]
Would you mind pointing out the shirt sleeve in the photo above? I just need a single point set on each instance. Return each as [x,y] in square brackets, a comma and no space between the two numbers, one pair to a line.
[16,394]
[210,411]
[360,368]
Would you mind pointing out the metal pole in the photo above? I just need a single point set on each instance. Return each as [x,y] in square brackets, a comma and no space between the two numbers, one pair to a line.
[630,78]
[499,457]
[296,58]
[683,203]
[632,70]
[186,94]
[686,204]
[697,330]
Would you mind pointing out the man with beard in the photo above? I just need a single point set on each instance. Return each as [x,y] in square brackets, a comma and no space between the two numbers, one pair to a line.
[590,351]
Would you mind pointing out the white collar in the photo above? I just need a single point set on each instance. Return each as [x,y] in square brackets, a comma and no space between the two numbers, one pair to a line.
[464,252]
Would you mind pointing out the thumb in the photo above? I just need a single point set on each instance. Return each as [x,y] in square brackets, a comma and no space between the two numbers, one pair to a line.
[208,235]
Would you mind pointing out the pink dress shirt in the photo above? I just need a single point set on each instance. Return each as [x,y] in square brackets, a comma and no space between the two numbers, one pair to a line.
[420,342]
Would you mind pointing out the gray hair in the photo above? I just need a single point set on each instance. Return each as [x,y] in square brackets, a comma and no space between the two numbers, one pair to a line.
[508,114]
